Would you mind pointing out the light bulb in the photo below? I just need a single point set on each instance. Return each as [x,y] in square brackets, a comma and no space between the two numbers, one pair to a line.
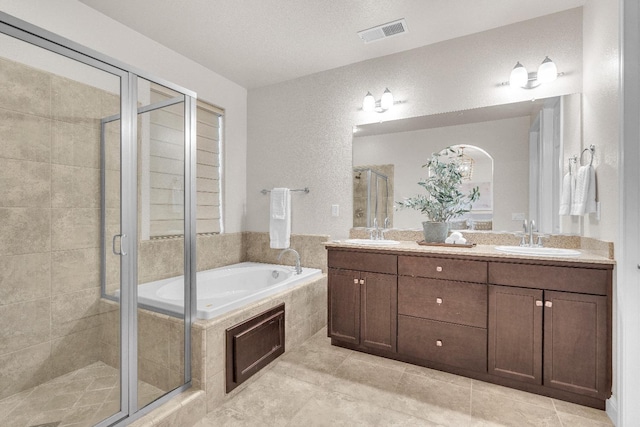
[386,101]
[369,103]
[547,71]
[519,76]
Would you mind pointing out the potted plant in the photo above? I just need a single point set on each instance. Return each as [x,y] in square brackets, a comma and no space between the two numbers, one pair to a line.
[443,200]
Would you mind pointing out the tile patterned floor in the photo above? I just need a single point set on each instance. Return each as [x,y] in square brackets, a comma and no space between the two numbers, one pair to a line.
[321,385]
[77,399]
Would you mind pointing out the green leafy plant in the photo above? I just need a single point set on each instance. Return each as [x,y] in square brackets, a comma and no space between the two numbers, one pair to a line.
[443,199]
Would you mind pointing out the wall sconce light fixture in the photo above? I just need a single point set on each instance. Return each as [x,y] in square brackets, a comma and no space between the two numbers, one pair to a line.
[547,72]
[370,104]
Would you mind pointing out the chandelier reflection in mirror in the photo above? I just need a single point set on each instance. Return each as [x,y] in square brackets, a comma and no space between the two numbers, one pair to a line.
[466,165]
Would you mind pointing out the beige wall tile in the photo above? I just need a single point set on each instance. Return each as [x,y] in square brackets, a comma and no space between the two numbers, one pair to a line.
[160,259]
[24,136]
[74,102]
[75,187]
[75,311]
[153,338]
[219,250]
[154,374]
[24,368]
[75,145]
[75,228]
[176,345]
[74,351]
[75,270]
[24,277]
[109,104]
[24,230]
[310,247]
[112,146]
[24,89]
[24,183]
[24,324]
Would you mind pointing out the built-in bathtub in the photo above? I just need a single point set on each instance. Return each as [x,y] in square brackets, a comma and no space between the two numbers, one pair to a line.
[224,289]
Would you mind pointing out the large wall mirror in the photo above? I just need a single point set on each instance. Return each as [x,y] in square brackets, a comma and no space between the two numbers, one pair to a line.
[516,151]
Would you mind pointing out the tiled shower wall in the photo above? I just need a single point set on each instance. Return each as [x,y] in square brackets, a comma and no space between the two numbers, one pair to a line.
[50,224]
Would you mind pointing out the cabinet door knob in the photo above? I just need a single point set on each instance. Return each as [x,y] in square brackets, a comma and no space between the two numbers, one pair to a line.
[438,300]
[355,281]
[438,268]
[438,343]
[362,281]
[538,303]
[548,304]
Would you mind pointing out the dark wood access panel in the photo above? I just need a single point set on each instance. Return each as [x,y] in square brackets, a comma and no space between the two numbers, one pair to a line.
[253,344]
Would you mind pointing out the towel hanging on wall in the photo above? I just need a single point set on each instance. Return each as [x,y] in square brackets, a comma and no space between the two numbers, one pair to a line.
[584,197]
[280,218]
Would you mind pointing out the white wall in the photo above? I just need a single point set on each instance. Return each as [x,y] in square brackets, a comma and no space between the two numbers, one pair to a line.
[507,141]
[300,131]
[81,24]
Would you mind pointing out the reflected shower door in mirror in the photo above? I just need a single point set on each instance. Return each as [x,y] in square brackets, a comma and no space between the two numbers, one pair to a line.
[523,185]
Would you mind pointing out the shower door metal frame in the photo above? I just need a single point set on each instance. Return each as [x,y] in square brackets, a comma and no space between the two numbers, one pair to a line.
[128,75]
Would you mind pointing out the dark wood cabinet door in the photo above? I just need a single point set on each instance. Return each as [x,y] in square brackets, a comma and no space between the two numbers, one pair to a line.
[344,305]
[515,333]
[575,343]
[379,311]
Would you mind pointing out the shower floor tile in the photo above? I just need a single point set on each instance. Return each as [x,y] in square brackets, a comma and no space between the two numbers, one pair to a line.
[79,398]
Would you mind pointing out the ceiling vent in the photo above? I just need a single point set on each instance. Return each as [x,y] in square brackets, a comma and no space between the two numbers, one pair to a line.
[384,31]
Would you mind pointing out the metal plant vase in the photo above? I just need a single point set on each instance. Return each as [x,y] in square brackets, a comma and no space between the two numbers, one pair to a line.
[435,232]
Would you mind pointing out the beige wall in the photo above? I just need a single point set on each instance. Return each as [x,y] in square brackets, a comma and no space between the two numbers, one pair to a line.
[300,131]
[507,141]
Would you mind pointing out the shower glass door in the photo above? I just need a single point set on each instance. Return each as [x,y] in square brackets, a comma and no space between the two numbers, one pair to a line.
[59,340]
[81,143]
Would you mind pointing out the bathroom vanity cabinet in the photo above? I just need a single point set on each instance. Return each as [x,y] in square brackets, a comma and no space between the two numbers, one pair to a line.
[363,302]
[540,325]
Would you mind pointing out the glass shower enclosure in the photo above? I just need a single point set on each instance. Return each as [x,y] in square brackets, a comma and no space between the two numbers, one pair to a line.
[78,132]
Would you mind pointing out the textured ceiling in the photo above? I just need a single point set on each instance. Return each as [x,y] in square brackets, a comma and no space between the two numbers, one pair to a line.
[260,42]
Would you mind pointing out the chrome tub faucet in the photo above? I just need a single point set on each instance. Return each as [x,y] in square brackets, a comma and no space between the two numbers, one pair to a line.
[297,266]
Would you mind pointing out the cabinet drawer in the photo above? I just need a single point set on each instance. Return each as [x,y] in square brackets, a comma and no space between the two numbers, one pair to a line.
[442,268]
[447,301]
[568,279]
[363,261]
[454,345]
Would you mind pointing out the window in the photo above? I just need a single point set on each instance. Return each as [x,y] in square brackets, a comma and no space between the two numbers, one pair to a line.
[166,168]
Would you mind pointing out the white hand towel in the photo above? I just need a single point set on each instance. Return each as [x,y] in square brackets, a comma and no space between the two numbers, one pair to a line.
[591,194]
[280,218]
[584,198]
[565,197]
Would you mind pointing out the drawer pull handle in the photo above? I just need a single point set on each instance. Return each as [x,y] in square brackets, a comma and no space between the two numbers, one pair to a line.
[438,343]
[548,304]
[362,281]
[438,301]
[438,269]
[538,303]
[355,281]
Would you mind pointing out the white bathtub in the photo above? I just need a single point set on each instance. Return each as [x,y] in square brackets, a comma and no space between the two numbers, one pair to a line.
[223,289]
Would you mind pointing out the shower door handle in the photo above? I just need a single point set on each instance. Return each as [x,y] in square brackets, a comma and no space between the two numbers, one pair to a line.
[113,244]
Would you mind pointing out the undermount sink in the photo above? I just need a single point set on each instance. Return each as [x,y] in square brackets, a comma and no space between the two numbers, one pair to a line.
[372,242]
[537,251]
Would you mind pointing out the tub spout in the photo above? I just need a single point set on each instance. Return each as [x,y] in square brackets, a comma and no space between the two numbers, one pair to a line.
[298,267]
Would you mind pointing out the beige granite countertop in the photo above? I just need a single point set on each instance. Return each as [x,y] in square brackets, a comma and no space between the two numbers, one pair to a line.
[586,256]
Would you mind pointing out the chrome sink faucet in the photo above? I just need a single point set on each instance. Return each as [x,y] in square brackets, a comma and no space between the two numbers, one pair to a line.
[530,228]
[377,233]
[298,267]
